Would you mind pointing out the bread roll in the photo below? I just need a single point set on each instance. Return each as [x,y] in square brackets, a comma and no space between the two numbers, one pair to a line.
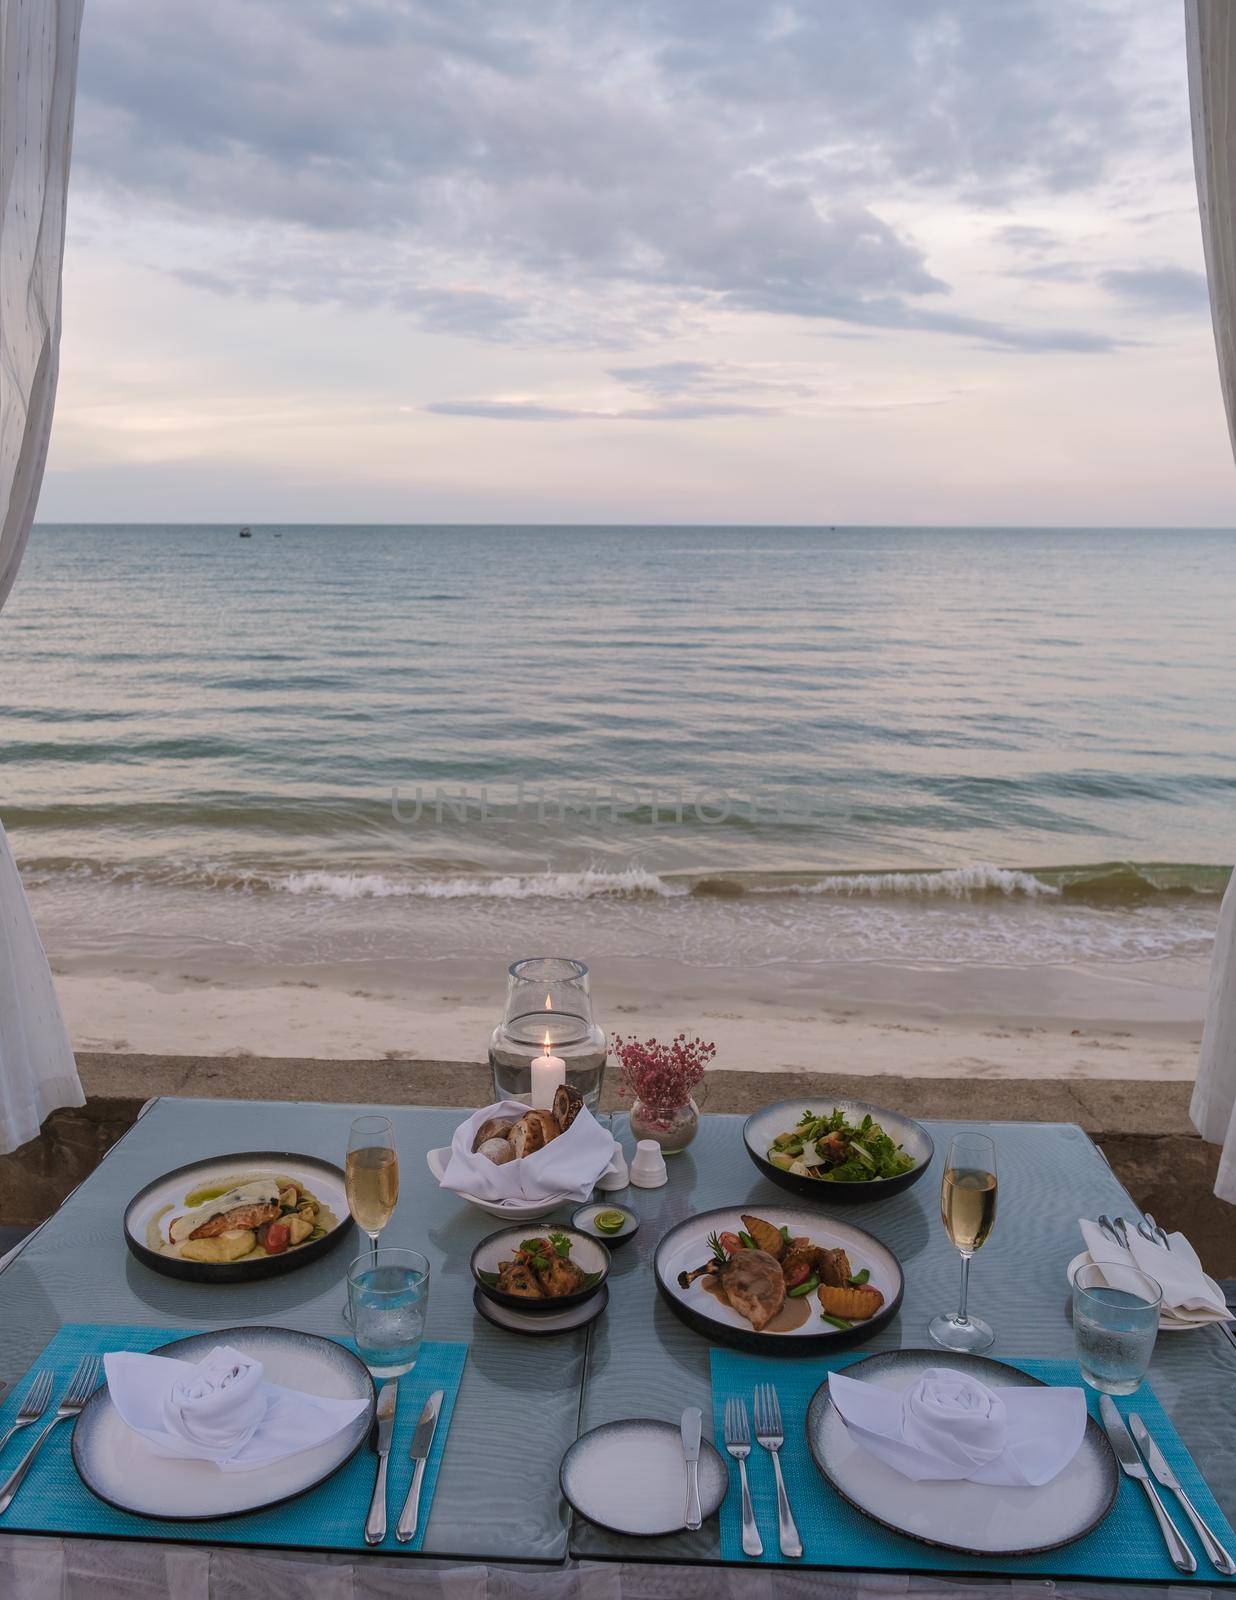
[568,1103]
[533,1132]
[494,1128]
[498,1151]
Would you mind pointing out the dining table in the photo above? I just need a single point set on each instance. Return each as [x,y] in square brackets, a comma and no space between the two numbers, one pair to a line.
[498,1525]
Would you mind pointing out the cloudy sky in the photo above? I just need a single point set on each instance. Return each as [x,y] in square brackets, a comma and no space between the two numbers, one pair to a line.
[664,260]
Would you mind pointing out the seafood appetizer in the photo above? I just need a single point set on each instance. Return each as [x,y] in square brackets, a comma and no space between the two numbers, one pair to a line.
[541,1269]
[241,1218]
[760,1268]
[830,1148]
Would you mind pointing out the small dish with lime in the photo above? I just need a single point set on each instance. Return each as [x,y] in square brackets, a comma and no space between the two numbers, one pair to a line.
[611,1224]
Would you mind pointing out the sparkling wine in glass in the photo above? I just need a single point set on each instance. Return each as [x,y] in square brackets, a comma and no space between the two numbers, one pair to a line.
[968,1210]
[372,1175]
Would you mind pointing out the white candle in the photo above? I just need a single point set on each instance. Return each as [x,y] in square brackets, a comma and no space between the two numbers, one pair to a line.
[548,1073]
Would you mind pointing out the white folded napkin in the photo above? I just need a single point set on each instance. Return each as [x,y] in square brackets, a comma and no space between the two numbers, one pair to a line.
[948,1425]
[220,1409]
[567,1166]
[1188,1294]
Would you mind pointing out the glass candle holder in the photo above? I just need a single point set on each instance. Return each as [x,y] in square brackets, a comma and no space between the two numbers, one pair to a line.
[548,1002]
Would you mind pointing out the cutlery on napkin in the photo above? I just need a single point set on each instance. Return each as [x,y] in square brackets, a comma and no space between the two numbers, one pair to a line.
[567,1168]
[948,1425]
[1188,1294]
[220,1409]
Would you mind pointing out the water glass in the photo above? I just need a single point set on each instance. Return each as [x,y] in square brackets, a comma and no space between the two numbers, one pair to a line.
[388,1296]
[1115,1322]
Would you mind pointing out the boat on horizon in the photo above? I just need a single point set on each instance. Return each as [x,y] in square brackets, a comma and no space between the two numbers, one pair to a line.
[245,533]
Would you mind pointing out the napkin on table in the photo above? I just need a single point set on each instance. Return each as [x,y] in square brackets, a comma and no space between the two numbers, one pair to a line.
[1188,1294]
[220,1409]
[567,1166]
[948,1425]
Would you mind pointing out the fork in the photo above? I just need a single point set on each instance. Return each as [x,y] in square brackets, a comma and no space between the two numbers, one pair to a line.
[34,1404]
[738,1443]
[770,1433]
[85,1381]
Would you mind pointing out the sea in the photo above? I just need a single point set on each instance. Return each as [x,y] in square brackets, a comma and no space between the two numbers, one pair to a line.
[711,745]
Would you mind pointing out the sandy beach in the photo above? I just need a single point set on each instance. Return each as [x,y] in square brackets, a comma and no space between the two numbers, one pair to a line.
[1132,1022]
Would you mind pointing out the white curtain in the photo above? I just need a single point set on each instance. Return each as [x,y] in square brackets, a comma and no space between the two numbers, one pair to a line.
[38,72]
[1210,27]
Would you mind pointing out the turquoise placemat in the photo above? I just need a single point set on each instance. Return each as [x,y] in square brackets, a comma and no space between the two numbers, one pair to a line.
[53,1498]
[1126,1546]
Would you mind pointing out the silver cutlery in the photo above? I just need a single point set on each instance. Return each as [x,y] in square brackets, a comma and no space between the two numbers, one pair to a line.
[771,1435]
[422,1444]
[384,1422]
[738,1444]
[1219,1558]
[1109,1229]
[85,1382]
[34,1404]
[1157,1234]
[1131,1462]
[691,1427]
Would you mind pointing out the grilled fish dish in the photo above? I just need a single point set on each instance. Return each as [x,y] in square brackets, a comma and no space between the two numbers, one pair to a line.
[253,1215]
[757,1270]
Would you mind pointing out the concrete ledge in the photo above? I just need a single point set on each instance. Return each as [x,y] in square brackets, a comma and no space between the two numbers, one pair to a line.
[1142,1127]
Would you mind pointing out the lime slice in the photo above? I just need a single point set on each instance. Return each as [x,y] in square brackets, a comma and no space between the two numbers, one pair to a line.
[609,1221]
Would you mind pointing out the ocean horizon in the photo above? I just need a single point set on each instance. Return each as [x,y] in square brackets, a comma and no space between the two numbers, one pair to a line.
[718,745]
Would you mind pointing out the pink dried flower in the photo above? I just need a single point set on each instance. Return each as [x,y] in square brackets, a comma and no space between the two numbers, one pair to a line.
[663,1076]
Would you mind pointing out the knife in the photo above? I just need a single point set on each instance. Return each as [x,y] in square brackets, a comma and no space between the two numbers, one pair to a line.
[384,1422]
[1126,1453]
[692,1422]
[422,1443]
[1218,1555]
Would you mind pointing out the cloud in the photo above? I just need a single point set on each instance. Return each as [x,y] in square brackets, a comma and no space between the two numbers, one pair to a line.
[1168,290]
[579,173]
[535,411]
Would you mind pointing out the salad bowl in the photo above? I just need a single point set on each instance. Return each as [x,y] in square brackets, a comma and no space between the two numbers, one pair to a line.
[764,1126]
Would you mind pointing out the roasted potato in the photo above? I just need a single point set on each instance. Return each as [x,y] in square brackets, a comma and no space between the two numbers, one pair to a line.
[765,1235]
[222,1248]
[299,1228]
[853,1304]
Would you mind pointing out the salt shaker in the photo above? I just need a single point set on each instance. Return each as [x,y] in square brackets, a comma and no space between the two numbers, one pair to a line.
[648,1168]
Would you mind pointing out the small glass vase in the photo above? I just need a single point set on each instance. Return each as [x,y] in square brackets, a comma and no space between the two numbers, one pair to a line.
[673,1127]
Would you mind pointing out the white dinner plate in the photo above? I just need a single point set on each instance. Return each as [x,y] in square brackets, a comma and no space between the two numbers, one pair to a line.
[975,1518]
[119,1466]
[630,1477]
[686,1247]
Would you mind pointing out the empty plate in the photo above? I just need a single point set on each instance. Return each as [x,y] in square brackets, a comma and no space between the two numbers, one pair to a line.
[120,1467]
[976,1518]
[577,1316]
[630,1477]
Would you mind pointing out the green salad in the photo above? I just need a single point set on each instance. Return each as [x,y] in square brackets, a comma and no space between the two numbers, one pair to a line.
[835,1151]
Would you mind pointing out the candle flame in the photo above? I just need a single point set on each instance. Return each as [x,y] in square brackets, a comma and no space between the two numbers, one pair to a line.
[545,1046]
[549,1002]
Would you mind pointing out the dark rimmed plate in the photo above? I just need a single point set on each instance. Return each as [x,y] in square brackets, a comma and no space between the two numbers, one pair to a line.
[579,1316]
[630,1478]
[119,1467]
[686,1247]
[321,1178]
[589,1254]
[762,1127]
[975,1519]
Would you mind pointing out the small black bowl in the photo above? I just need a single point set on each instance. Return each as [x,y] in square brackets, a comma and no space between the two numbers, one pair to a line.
[582,1219]
[763,1126]
[589,1254]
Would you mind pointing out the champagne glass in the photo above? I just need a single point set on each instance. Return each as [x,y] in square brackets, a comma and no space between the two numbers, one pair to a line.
[968,1211]
[372,1179]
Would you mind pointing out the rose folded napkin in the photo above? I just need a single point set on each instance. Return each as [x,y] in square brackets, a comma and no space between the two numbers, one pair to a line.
[220,1409]
[567,1167]
[1188,1294]
[948,1425]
